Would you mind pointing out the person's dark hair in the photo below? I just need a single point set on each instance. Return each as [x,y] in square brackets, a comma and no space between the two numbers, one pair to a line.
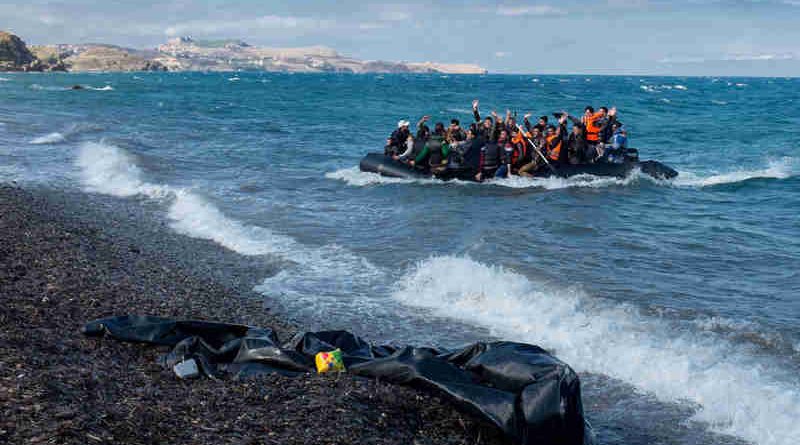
[543,118]
[604,109]
[589,108]
[488,118]
[438,128]
[455,122]
[551,127]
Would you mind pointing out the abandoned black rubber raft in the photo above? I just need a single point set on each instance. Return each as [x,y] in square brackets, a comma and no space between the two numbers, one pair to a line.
[386,166]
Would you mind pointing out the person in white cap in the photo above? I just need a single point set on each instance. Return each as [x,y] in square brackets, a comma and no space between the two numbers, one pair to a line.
[397,141]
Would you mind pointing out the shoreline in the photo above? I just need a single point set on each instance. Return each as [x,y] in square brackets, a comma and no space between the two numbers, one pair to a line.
[66,259]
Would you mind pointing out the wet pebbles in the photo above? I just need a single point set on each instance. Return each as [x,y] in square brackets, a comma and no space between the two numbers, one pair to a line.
[66,259]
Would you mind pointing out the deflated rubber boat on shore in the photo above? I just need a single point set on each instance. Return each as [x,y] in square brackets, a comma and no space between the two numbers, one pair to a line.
[386,166]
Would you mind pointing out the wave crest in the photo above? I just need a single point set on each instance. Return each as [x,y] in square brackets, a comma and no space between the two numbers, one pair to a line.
[734,394]
[50,138]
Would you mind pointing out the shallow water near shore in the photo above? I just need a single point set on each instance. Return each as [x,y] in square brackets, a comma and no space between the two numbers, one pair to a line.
[676,300]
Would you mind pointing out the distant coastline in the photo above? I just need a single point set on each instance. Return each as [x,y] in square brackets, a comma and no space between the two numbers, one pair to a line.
[187,54]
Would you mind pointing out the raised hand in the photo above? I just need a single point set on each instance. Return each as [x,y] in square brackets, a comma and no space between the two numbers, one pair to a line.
[528,115]
[475,104]
[612,111]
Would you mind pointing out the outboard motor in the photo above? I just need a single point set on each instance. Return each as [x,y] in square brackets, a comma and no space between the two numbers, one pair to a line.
[631,155]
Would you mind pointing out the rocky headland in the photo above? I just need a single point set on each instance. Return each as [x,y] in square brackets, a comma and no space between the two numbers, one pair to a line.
[187,54]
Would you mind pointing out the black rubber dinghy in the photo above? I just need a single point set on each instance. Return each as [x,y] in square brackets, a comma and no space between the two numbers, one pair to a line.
[386,166]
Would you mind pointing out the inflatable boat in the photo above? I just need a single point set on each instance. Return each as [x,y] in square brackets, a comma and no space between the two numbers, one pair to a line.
[386,166]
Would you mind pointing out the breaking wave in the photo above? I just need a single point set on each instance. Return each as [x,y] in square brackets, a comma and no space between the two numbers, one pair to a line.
[355,177]
[50,138]
[108,169]
[777,169]
[732,393]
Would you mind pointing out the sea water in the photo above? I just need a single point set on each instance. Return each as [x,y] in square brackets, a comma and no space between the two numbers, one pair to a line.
[678,301]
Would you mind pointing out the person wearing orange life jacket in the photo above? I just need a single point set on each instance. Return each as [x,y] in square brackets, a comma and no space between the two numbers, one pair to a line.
[592,123]
[521,154]
[554,141]
[536,138]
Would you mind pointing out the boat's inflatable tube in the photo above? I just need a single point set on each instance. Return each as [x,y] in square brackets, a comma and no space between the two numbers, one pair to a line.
[386,166]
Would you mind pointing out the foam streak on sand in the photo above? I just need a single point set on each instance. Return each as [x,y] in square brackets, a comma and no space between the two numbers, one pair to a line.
[733,392]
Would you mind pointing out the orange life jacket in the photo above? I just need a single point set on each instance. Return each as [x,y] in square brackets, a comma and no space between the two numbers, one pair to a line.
[521,147]
[592,129]
[553,152]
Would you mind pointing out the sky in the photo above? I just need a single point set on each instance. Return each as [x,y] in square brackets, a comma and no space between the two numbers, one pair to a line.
[681,37]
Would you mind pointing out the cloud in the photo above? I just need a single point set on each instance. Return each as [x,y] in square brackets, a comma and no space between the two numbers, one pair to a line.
[393,16]
[371,25]
[245,25]
[501,54]
[521,10]
[760,57]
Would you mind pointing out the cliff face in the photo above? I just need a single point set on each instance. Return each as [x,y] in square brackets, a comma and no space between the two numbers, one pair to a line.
[14,55]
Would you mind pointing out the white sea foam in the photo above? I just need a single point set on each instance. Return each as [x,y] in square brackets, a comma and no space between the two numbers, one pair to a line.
[354,177]
[50,138]
[733,393]
[108,169]
[460,110]
[555,183]
[4,79]
[681,87]
[778,169]
[37,87]
[103,88]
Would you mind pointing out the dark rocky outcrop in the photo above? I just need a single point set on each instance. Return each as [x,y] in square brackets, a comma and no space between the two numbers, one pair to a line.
[14,55]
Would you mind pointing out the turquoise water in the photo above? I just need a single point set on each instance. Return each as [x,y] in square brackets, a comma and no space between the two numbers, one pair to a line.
[676,300]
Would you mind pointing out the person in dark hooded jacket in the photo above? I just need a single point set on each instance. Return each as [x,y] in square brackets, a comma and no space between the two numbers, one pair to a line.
[492,157]
[397,141]
[578,150]
[436,150]
[488,128]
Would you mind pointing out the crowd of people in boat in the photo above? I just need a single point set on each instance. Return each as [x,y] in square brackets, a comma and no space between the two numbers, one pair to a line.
[497,146]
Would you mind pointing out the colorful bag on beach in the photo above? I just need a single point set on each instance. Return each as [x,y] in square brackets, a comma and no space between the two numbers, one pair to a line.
[330,361]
